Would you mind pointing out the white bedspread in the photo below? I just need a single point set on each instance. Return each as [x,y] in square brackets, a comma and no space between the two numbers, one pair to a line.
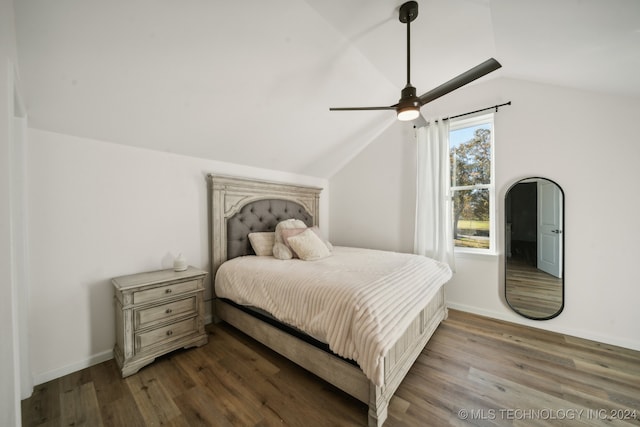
[359,301]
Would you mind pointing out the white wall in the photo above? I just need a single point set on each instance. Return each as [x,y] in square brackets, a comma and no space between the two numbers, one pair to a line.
[100,210]
[586,142]
[377,187]
[9,315]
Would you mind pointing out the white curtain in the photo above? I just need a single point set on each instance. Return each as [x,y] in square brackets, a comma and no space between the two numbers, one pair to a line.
[433,229]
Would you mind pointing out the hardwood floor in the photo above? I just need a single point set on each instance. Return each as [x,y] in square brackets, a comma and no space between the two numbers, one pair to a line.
[474,371]
[532,292]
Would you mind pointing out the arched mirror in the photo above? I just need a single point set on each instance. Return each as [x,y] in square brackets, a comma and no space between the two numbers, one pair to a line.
[534,248]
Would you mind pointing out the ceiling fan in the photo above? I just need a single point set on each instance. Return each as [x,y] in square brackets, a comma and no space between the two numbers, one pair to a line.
[408,107]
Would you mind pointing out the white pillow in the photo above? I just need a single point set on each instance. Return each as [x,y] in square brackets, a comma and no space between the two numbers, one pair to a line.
[289,232]
[286,233]
[309,246]
[316,230]
[262,243]
[281,251]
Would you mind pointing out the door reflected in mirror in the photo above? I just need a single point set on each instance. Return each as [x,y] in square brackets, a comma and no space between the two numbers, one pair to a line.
[534,248]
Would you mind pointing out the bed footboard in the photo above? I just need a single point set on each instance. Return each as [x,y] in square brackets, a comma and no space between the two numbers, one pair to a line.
[347,377]
[402,356]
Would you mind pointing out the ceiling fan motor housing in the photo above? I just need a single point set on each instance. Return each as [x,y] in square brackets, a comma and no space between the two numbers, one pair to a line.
[408,12]
[408,97]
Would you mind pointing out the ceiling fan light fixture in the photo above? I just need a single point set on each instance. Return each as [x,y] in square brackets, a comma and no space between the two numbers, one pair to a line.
[408,108]
[408,113]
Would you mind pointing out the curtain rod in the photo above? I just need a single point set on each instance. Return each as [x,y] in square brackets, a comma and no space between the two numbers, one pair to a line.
[477,111]
[472,112]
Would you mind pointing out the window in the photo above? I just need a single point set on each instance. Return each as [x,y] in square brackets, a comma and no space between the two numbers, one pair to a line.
[472,187]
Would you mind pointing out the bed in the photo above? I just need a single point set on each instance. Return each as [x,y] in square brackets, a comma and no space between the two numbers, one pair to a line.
[241,206]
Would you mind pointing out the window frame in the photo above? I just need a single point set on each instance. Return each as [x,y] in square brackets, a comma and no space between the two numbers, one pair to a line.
[461,123]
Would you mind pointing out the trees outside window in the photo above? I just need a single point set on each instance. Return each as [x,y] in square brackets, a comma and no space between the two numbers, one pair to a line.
[472,189]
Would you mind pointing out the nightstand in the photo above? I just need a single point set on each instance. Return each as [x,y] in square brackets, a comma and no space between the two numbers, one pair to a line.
[157,312]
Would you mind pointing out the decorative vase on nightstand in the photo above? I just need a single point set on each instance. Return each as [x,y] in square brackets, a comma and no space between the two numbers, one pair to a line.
[180,263]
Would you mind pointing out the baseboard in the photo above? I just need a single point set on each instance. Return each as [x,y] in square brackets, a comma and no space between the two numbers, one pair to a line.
[579,333]
[82,364]
[85,363]
[73,367]
[620,342]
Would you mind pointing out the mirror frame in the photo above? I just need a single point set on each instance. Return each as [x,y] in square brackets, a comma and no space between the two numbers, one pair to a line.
[562,266]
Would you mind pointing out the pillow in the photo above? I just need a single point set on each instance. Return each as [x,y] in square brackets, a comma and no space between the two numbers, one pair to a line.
[262,243]
[289,232]
[309,246]
[288,223]
[316,230]
[280,249]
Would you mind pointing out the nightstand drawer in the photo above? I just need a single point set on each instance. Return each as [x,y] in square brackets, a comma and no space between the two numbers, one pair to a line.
[164,291]
[156,337]
[164,313]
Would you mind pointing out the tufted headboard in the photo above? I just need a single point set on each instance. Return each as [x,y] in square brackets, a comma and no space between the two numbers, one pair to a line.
[261,215]
[240,206]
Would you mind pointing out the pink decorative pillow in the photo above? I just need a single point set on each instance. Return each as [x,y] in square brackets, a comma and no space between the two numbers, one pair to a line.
[286,224]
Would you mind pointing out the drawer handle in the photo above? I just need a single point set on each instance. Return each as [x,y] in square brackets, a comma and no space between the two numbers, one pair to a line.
[168,311]
[168,291]
[169,333]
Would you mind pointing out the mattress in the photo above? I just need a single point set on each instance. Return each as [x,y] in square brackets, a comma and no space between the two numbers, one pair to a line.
[358,301]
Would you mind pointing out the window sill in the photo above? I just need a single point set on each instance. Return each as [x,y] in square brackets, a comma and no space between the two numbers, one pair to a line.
[470,253]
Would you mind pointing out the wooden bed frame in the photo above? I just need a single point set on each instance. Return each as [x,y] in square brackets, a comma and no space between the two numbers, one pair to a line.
[228,196]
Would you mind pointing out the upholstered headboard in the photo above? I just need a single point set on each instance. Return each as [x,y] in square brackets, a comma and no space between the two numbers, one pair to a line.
[240,206]
[261,215]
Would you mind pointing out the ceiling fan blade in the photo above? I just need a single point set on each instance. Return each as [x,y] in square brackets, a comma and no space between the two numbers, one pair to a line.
[467,77]
[362,108]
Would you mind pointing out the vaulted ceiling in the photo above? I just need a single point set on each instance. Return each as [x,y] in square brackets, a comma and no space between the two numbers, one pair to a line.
[251,81]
